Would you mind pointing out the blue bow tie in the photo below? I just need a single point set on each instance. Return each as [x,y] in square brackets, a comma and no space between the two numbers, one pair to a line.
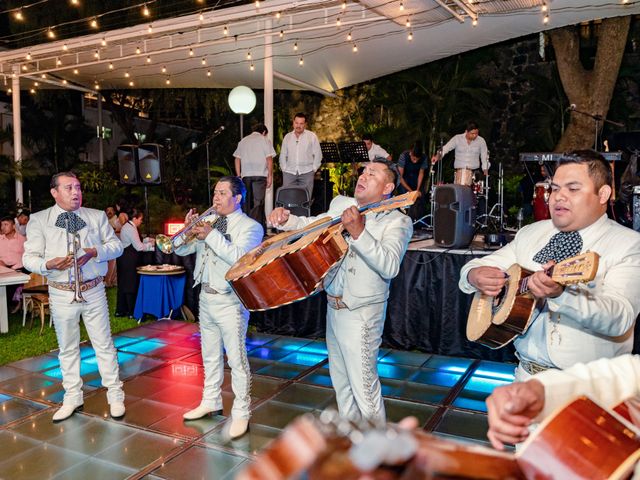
[70,222]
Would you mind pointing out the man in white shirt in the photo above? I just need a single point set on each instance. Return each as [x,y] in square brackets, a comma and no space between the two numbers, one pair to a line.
[254,163]
[582,322]
[373,149]
[50,234]
[470,150]
[300,156]
[357,292]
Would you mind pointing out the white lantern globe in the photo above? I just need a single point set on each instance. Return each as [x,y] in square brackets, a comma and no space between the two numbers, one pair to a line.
[242,100]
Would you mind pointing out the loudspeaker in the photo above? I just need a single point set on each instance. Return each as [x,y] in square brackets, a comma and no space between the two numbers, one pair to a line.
[149,160]
[454,217]
[128,164]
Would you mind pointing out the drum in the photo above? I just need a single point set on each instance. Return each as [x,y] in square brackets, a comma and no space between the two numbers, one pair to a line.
[541,201]
[478,187]
[463,176]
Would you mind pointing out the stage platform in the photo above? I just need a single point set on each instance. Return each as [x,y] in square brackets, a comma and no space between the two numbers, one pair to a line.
[161,366]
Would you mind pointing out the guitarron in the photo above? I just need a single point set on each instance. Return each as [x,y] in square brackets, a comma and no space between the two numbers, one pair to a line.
[292,265]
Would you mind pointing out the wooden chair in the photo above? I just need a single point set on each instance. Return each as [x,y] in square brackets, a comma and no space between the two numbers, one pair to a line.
[35,295]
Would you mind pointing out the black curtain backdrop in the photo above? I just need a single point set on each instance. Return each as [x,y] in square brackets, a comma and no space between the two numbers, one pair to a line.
[426,310]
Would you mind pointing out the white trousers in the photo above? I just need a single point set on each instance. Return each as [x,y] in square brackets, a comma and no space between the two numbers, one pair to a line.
[223,324]
[95,315]
[353,342]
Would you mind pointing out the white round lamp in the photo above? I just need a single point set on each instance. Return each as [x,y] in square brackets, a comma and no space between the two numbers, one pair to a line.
[242,101]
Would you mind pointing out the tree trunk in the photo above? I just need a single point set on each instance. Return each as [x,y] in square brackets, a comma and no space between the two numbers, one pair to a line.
[589,90]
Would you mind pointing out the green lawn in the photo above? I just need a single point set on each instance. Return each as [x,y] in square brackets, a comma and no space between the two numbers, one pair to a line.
[23,342]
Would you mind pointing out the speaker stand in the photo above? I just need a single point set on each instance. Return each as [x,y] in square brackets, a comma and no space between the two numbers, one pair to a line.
[427,220]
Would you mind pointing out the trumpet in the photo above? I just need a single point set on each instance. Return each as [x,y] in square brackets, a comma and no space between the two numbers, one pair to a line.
[168,244]
[73,246]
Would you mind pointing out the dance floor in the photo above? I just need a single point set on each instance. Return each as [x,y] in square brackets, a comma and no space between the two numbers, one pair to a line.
[161,366]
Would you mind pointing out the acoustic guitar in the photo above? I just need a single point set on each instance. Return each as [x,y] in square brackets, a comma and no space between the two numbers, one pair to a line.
[496,321]
[581,440]
[292,265]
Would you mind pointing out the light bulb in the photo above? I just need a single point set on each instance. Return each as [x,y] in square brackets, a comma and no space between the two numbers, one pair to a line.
[28,56]
[545,20]
[281,33]
[94,22]
[126,75]
[401,6]
[295,47]
[475,22]
[131,83]
[349,36]
[150,28]
[103,42]
[203,61]
[18,15]
[137,50]
[338,22]
[164,69]
[65,47]
[148,59]
[226,30]
[110,66]
[58,62]
[208,73]
[355,48]
[301,61]
[410,36]
[249,55]
[76,71]
[407,23]
[51,33]
[145,11]
[251,67]
[167,81]
[191,52]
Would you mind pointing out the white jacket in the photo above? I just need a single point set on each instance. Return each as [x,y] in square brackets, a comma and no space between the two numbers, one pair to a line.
[46,241]
[594,320]
[372,261]
[212,263]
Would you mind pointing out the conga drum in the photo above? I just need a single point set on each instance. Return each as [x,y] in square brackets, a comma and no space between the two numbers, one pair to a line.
[541,201]
[463,176]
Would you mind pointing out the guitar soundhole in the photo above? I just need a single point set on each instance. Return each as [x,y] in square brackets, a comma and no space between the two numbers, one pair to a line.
[497,300]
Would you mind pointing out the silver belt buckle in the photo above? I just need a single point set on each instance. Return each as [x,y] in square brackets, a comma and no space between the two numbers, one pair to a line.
[209,290]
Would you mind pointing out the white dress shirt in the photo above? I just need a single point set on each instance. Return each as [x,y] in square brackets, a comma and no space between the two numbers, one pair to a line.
[129,236]
[46,241]
[253,151]
[587,321]
[468,155]
[377,151]
[300,154]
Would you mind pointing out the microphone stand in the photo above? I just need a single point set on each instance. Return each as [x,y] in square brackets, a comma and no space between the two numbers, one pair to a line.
[597,118]
[206,143]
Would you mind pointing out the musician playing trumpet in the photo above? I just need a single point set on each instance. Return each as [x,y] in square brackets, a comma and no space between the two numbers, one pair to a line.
[220,240]
[71,246]
[358,290]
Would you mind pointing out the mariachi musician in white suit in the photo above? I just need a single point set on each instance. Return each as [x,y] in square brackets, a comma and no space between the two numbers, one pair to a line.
[50,236]
[223,318]
[358,291]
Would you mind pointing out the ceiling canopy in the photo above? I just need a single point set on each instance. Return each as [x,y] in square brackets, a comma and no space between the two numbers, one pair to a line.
[313,44]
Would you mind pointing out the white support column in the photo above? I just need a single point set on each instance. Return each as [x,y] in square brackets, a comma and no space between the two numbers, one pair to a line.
[17,132]
[268,104]
[100,132]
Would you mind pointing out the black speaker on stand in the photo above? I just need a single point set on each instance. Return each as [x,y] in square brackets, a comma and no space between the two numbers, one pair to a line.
[454,217]
[128,164]
[150,161]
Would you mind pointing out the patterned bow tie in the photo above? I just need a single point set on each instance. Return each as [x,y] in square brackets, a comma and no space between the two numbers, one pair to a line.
[561,246]
[70,221]
[221,224]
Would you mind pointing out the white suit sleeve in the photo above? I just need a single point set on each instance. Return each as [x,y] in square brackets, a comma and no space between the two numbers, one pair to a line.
[608,381]
[34,248]
[385,254]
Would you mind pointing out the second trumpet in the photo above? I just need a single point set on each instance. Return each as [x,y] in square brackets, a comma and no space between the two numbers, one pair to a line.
[168,244]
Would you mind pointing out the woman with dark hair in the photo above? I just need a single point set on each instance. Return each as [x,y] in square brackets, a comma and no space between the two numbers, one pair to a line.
[128,262]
